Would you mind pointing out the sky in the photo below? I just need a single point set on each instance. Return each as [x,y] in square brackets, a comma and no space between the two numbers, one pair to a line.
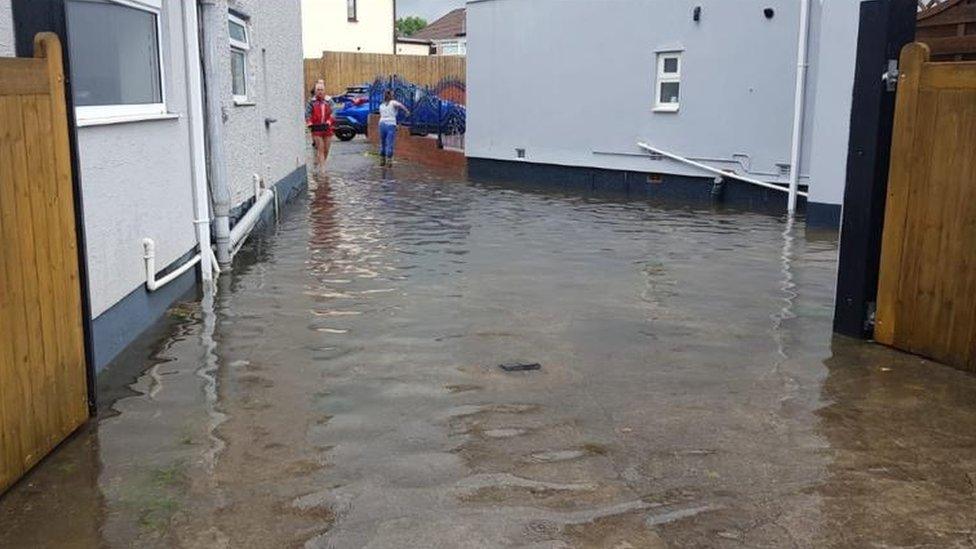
[430,10]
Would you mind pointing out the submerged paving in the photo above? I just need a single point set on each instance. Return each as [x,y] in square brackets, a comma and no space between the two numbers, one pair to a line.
[343,389]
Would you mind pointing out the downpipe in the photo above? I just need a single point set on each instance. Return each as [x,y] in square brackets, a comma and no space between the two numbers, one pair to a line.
[214,23]
[799,105]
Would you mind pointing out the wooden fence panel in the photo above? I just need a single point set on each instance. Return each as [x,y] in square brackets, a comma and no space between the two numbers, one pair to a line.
[949,29]
[43,390]
[927,288]
[343,69]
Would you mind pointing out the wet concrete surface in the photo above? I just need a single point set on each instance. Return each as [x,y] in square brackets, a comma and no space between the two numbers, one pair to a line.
[342,389]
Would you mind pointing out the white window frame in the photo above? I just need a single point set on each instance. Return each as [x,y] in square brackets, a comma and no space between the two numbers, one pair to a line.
[93,115]
[245,48]
[667,78]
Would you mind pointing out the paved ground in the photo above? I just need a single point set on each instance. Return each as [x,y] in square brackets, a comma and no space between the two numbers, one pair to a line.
[341,390]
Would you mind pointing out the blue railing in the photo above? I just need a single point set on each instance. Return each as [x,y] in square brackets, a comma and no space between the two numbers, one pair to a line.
[429,113]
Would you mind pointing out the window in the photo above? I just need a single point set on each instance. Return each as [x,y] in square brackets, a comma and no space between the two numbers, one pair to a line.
[351,11]
[668,90]
[116,68]
[240,45]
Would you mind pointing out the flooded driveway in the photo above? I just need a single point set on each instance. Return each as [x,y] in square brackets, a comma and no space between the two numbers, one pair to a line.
[342,390]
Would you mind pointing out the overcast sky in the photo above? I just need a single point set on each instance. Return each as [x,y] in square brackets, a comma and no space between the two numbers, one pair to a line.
[428,9]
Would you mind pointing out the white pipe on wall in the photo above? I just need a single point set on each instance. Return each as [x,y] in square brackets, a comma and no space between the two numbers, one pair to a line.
[149,255]
[263,197]
[799,104]
[716,171]
[194,87]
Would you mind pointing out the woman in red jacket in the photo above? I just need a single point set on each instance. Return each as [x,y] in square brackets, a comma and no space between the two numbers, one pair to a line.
[318,118]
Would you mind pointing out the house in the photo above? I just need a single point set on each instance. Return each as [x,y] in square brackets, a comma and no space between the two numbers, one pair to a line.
[448,34]
[364,26]
[407,45]
[711,83]
[949,29]
[152,147]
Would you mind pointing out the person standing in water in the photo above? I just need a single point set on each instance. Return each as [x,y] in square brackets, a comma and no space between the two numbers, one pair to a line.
[388,126]
[318,118]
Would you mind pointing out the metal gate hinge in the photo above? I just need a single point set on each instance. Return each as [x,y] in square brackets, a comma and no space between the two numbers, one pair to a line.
[891,76]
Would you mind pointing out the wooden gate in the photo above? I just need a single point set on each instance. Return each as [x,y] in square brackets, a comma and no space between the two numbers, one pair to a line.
[43,390]
[927,287]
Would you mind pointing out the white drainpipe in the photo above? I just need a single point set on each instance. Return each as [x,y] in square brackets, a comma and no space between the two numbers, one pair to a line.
[198,143]
[716,171]
[799,104]
[198,163]
[262,198]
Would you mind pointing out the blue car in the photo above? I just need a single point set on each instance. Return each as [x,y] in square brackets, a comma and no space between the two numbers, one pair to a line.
[351,119]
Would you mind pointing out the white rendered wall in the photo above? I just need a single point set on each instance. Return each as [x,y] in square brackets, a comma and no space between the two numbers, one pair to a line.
[325,27]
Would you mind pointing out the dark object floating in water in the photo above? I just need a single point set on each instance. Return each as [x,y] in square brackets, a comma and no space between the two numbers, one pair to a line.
[520,366]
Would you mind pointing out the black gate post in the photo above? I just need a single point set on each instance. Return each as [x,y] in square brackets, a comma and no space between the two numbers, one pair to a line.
[886,26]
[30,18]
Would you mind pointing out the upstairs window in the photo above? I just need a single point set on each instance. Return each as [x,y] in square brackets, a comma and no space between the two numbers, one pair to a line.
[116,67]
[351,11]
[668,90]
[240,45]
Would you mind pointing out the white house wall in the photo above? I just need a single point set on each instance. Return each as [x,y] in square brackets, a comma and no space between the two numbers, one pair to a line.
[325,27]
[276,84]
[572,82]
[6,29]
[136,183]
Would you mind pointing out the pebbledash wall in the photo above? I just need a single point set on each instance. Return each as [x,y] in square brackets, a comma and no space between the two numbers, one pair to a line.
[275,151]
[584,77]
[6,29]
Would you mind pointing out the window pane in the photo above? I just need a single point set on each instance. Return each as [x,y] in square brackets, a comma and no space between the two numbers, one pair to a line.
[114,54]
[670,92]
[238,74]
[351,8]
[670,65]
[237,32]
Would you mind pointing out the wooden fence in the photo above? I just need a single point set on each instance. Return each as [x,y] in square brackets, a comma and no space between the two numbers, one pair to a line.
[927,287]
[343,69]
[948,27]
[43,390]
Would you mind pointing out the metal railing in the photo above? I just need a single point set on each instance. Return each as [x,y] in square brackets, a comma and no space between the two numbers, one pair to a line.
[431,114]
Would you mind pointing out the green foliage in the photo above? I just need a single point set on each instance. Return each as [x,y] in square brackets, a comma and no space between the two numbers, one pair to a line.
[408,26]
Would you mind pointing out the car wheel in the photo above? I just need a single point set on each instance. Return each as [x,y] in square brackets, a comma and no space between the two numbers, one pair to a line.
[345,134]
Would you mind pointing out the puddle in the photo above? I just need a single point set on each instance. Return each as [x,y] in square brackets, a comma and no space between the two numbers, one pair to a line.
[342,389]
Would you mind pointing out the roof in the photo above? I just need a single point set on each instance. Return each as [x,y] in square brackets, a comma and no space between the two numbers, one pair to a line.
[452,25]
[413,40]
[930,8]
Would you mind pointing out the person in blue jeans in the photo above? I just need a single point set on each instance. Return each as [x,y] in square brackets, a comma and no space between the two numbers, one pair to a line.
[388,127]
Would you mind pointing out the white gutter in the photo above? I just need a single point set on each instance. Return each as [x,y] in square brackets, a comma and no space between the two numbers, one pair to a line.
[263,197]
[716,171]
[799,105]
[194,87]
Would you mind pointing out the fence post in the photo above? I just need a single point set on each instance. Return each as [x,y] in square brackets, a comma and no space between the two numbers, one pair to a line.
[440,123]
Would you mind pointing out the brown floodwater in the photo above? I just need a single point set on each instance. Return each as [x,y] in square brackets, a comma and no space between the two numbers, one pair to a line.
[342,389]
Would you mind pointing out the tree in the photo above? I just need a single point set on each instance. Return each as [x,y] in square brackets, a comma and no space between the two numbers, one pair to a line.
[408,26]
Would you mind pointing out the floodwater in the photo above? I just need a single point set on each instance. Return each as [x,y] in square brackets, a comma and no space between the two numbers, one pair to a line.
[342,389]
